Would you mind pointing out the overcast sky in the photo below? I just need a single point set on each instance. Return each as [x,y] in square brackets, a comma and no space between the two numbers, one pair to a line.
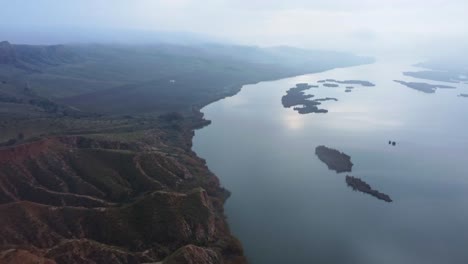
[358,25]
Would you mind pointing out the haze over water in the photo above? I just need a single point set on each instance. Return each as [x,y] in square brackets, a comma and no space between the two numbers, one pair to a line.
[287,207]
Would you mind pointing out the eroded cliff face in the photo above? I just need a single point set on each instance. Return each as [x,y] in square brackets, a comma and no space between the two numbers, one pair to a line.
[76,199]
[126,187]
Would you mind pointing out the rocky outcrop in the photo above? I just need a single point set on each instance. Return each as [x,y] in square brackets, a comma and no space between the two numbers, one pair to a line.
[191,254]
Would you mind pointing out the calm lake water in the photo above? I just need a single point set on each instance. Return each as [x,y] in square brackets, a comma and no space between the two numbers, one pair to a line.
[287,207]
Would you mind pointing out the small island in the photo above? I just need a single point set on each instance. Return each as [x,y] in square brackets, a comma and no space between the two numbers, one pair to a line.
[304,86]
[310,106]
[335,160]
[349,89]
[440,76]
[424,87]
[304,105]
[326,99]
[340,162]
[354,82]
[296,96]
[463,95]
[443,69]
[360,185]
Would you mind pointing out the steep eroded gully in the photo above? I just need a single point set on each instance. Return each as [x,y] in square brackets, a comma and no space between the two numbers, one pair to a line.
[76,199]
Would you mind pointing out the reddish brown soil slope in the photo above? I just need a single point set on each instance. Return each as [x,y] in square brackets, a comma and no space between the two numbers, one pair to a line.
[81,200]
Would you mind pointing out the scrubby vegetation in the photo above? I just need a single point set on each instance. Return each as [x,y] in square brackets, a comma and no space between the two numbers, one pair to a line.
[96,151]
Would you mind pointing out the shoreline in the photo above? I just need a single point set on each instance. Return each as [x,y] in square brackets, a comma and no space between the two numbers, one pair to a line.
[200,119]
[119,155]
[238,87]
[144,162]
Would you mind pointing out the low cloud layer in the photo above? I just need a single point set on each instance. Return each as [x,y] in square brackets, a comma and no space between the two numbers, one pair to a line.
[364,26]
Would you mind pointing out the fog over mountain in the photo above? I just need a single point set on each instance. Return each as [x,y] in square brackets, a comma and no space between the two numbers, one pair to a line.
[363,26]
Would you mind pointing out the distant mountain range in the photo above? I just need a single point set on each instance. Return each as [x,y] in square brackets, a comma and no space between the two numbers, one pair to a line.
[61,35]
